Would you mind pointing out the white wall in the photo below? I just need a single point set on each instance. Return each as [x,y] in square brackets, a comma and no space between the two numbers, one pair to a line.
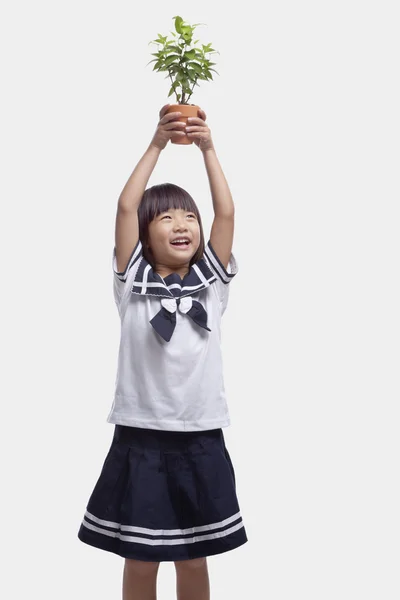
[305,120]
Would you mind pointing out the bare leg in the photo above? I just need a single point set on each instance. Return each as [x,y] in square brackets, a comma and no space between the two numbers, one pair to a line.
[192,581]
[139,580]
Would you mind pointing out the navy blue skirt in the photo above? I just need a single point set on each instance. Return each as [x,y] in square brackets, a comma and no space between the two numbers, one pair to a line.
[164,496]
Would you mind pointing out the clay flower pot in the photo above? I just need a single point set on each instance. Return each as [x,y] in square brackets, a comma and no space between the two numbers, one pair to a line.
[187,110]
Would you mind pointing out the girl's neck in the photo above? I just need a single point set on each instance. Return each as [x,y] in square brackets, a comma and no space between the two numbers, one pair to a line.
[165,271]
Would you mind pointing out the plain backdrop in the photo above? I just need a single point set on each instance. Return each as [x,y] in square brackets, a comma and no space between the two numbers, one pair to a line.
[304,116]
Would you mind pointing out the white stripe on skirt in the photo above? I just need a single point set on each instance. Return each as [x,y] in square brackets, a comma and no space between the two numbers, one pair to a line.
[156,532]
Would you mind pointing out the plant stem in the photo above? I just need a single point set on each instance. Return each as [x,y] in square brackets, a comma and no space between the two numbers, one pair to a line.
[180,65]
[172,83]
[192,88]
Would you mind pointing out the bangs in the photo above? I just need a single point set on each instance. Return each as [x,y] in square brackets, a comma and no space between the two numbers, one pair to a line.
[167,196]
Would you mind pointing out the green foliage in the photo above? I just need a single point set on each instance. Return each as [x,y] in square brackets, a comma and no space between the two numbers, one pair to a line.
[183,60]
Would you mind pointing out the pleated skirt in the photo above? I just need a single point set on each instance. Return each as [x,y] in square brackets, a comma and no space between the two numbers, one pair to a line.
[164,496]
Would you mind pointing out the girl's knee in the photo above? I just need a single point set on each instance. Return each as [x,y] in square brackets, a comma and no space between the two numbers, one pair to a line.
[141,567]
[193,563]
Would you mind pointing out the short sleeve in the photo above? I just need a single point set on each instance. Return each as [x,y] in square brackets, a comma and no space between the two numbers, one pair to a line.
[224,276]
[123,279]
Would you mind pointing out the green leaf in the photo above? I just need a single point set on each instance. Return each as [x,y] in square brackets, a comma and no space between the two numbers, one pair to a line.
[190,54]
[174,48]
[173,87]
[173,68]
[171,59]
[178,24]
[196,67]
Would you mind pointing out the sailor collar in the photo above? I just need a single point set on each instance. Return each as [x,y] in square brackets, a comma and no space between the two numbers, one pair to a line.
[174,292]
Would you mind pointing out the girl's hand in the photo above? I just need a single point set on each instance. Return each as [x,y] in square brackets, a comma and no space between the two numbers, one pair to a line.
[167,127]
[199,132]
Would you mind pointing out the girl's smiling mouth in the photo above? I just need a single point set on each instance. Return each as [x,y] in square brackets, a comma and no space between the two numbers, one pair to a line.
[182,243]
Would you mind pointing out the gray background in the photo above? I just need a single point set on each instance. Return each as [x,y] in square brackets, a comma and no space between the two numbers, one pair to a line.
[305,121]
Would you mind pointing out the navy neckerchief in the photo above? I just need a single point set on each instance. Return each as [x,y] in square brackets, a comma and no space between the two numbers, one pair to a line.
[174,293]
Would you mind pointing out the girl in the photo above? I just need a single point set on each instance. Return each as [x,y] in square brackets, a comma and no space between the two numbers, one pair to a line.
[167,488]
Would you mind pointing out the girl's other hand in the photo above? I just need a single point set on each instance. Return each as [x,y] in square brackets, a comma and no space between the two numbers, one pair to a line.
[199,132]
[167,127]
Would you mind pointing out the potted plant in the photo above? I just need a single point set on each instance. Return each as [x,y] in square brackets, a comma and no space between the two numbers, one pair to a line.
[184,63]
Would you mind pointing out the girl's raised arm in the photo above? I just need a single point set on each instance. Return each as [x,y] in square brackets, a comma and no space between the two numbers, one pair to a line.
[223,225]
[222,230]
[126,222]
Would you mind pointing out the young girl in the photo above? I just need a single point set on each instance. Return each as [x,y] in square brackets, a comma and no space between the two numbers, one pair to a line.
[167,488]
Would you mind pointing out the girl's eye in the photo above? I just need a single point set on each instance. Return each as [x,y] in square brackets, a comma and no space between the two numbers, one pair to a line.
[169,216]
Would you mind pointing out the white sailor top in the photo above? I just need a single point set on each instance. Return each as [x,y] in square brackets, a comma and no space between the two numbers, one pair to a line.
[170,370]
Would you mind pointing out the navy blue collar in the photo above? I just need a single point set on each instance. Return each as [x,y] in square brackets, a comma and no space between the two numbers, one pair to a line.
[149,282]
[175,293]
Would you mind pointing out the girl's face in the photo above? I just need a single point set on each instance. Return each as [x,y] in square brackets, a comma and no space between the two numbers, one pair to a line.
[171,225]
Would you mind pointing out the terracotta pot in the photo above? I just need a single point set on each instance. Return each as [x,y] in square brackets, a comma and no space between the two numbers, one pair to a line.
[187,110]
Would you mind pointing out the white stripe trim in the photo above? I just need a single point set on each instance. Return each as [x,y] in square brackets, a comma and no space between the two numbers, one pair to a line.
[148,531]
[215,266]
[123,276]
[187,288]
[161,542]
[144,283]
[200,275]
[207,283]
[145,277]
